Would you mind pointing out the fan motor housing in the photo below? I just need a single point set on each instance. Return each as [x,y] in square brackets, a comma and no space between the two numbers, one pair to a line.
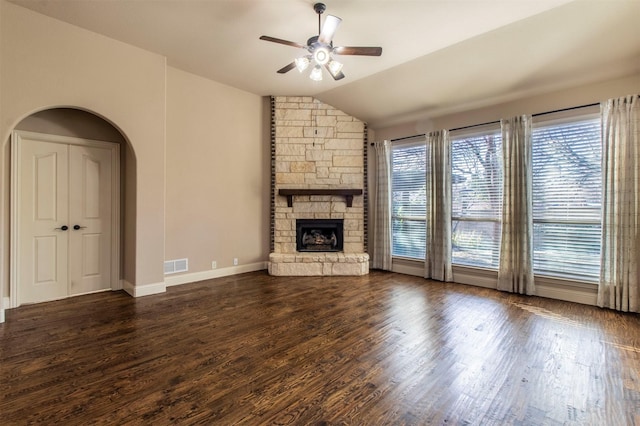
[313,43]
[319,8]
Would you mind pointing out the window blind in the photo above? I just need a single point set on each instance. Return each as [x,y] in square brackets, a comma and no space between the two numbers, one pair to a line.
[567,197]
[408,200]
[476,174]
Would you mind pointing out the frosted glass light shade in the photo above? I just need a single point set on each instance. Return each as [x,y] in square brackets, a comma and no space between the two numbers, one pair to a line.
[302,63]
[334,67]
[316,73]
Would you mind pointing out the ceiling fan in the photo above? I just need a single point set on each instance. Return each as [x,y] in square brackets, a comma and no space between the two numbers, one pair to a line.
[320,49]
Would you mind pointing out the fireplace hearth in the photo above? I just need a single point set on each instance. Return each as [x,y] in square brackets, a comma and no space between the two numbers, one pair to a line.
[319,235]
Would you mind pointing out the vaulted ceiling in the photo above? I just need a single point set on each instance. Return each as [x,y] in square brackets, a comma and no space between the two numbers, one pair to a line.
[439,56]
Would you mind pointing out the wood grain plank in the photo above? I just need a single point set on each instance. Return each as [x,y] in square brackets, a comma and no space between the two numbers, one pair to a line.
[379,349]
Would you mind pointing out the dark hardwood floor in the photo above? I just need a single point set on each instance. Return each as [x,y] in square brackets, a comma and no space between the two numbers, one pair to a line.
[374,350]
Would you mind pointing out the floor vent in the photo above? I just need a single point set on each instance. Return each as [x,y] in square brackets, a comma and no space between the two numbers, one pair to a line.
[174,266]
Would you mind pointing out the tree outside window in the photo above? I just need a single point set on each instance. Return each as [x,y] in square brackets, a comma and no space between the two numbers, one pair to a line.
[476,175]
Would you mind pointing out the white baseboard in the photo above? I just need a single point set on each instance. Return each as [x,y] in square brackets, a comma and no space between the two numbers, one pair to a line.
[416,271]
[584,296]
[6,303]
[545,287]
[214,273]
[408,270]
[144,289]
[557,289]
[476,277]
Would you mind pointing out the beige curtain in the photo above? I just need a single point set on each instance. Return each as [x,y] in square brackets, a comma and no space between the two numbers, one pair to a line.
[515,272]
[438,253]
[619,288]
[381,244]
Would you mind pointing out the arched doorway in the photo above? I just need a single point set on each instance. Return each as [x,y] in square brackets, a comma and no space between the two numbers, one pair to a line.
[82,128]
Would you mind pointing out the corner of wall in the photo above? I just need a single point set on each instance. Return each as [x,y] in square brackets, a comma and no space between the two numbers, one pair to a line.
[144,289]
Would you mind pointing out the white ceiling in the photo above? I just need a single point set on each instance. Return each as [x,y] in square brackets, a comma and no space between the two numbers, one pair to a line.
[439,56]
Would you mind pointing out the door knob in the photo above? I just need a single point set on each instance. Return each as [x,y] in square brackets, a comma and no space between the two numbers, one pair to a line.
[76,227]
[63,227]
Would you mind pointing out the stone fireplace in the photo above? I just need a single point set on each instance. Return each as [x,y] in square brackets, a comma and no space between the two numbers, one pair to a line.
[318,207]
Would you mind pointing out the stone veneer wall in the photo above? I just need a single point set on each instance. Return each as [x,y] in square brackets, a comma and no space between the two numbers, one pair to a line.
[316,146]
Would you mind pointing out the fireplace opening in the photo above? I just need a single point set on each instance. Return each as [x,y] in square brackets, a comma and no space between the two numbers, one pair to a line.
[319,234]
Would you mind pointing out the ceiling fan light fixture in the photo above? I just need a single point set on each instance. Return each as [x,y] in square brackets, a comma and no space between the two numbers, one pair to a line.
[320,49]
[316,73]
[334,67]
[321,55]
[302,63]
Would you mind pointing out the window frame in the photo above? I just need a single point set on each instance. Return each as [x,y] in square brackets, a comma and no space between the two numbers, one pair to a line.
[468,273]
[573,115]
[413,142]
[478,132]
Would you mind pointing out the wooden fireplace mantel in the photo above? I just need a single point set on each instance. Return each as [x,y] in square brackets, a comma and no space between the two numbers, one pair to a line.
[346,193]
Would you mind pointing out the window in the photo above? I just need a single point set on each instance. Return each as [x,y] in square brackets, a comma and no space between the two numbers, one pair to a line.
[476,193]
[567,197]
[408,200]
[567,194]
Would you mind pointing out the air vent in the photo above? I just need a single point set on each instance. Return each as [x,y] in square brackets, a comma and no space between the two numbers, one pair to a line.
[174,266]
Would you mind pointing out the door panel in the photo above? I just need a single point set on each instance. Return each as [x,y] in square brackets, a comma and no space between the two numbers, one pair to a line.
[45,185]
[91,187]
[46,269]
[91,247]
[90,190]
[64,219]
[43,181]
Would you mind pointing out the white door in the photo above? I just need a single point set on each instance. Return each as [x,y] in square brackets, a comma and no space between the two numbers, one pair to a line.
[89,219]
[43,220]
[64,221]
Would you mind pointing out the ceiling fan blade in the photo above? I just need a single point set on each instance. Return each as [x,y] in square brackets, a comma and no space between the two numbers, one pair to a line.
[287,68]
[329,29]
[358,50]
[281,41]
[336,77]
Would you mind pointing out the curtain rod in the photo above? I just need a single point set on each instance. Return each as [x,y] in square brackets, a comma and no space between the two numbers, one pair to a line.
[498,121]
[409,137]
[533,115]
[565,109]
[475,125]
[404,138]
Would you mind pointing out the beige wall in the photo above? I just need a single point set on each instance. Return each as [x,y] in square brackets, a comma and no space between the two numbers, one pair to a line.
[217,171]
[576,96]
[73,123]
[196,164]
[47,63]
